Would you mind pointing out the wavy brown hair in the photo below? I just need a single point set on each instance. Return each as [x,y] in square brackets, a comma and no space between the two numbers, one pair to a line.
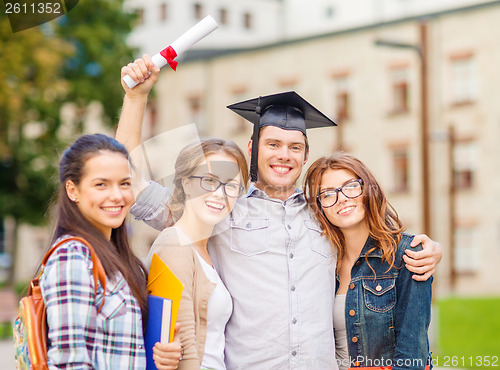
[116,255]
[190,158]
[384,225]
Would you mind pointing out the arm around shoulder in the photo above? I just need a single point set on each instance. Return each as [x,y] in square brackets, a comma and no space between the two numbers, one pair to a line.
[151,206]
[412,319]
[423,263]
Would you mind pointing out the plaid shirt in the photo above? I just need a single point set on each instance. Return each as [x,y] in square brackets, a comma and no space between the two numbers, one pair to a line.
[79,337]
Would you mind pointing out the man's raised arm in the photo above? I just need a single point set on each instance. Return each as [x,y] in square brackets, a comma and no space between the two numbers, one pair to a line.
[134,104]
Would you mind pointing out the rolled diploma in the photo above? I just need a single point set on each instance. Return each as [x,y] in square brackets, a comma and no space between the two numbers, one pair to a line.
[183,43]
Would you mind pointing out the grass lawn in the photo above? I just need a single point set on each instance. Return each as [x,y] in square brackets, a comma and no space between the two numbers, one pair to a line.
[5,331]
[469,333]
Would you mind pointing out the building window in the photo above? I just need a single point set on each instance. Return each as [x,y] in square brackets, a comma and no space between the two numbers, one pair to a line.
[223,18]
[2,236]
[463,80]
[330,12]
[163,11]
[198,11]
[465,159]
[196,114]
[140,16]
[466,259]
[240,125]
[247,21]
[400,90]
[401,170]
[287,82]
[153,117]
[342,97]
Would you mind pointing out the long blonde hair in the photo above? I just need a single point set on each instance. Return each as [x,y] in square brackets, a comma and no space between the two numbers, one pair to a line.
[384,225]
[190,158]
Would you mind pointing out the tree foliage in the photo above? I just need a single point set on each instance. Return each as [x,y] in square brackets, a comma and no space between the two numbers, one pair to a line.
[31,92]
[74,59]
[97,29]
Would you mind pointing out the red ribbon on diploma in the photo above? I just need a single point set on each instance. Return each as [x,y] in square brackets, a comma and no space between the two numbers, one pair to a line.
[169,54]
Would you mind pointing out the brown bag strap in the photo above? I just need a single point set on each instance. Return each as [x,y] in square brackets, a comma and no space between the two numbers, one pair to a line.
[97,268]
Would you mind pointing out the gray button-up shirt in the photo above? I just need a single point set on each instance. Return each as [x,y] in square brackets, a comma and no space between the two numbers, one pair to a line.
[280,272]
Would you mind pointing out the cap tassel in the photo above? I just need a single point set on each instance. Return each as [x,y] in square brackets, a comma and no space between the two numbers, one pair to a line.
[255,147]
[255,151]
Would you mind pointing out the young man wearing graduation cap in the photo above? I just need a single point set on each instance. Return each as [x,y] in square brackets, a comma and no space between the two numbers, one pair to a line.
[273,257]
[280,270]
[278,119]
[270,253]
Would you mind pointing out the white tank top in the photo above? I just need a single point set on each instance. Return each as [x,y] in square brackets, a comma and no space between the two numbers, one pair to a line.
[341,350]
[220,307]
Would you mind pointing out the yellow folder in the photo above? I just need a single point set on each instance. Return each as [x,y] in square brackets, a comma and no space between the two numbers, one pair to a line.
[163,283]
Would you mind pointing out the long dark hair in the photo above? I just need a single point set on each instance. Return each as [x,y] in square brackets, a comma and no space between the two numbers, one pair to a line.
[116,254]
[384,225]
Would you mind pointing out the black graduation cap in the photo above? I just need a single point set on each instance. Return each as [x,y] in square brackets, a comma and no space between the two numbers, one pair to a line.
[288,111]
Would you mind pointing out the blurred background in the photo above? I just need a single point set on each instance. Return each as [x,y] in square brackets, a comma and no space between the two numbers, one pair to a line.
[412,84]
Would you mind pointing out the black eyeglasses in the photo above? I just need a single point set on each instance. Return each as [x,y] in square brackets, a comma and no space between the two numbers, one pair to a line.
[231,189]
[351,189]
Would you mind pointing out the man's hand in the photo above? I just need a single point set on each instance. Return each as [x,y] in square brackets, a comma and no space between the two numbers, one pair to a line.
[167,355]
[143,71]
[423,263]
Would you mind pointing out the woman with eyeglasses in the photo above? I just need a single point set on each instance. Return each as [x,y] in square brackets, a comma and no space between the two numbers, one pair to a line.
[208,180]
[209,177]
[381,315]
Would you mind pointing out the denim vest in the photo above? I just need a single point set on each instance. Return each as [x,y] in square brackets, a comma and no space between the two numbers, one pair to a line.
[387,315]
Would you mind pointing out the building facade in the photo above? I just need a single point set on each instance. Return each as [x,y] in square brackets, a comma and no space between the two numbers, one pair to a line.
[241,23]
[249,23]
[374,93]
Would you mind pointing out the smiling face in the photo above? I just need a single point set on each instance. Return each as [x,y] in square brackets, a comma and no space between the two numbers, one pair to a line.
[211,207]
[282,153]
[348,214]
[104,194]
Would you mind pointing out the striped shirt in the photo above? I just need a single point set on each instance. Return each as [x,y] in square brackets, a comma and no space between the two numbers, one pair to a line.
[78,336]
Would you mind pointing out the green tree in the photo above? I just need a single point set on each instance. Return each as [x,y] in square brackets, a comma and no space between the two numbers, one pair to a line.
[97,29]
[31,92]
[74,59]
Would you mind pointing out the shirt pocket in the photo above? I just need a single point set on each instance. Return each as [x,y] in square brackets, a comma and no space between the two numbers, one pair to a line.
[379,294]
[249,235]
[114,300]
[318,243]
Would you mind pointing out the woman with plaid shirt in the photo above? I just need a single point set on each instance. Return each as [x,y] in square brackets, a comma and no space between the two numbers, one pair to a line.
[94,198]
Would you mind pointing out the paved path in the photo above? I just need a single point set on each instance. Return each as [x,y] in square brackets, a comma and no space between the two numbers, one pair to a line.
[7,355]
[8,311]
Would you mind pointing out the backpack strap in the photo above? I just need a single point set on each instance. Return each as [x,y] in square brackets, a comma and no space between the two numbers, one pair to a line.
[98,271]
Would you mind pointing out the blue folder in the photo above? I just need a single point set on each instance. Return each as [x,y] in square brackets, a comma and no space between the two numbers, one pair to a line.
[158,328]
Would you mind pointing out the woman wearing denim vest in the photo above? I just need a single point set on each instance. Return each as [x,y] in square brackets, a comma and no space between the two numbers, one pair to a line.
[381,314]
